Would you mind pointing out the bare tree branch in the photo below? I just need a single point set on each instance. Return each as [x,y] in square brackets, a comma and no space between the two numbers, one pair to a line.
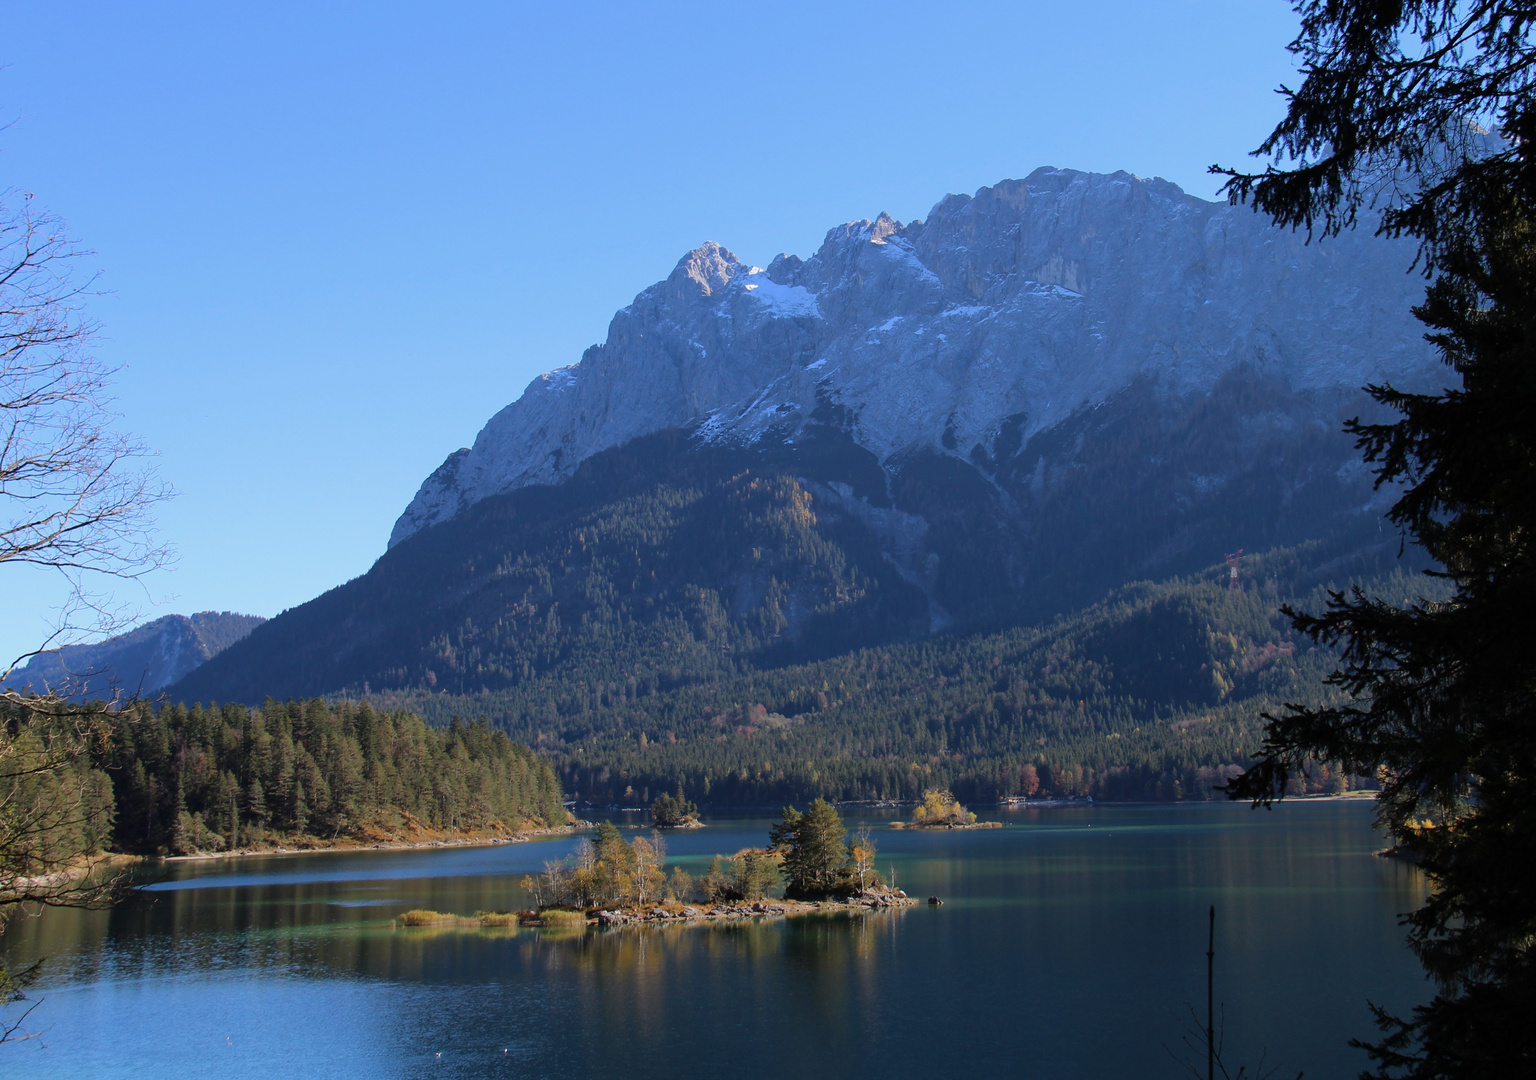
[75,495]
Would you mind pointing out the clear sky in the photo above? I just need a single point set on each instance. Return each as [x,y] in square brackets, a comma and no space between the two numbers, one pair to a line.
[337,237]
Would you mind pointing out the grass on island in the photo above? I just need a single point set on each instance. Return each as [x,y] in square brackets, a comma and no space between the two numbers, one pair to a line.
[560,917]
[423,917]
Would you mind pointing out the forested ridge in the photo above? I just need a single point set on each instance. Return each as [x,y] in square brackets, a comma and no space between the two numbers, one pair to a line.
[178,780]
[1157,692]
[678,555]
[699,614]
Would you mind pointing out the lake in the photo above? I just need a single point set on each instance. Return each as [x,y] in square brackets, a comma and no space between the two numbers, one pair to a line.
[1069,946]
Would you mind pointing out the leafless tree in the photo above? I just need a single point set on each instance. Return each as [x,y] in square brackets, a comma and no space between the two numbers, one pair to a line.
[75,497]
[1202,1056]
[75,494]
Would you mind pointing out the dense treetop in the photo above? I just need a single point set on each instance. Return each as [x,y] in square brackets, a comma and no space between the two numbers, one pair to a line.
[218,777]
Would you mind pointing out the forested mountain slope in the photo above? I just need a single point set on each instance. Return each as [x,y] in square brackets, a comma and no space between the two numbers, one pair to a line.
[924,441]
[684,561]
[1154,693]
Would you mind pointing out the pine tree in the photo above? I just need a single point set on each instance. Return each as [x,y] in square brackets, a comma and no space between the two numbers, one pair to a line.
[181,839]
[1441,695]
[255,801]
[813,847]
[298,811]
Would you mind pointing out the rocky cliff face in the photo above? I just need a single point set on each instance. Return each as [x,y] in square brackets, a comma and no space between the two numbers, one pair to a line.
[991,418]
[1005,321]
[142,661]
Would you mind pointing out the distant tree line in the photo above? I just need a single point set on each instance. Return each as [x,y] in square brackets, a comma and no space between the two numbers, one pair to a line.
[175,780]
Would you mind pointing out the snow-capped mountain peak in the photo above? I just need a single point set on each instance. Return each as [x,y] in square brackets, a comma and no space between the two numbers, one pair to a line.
[1005,313]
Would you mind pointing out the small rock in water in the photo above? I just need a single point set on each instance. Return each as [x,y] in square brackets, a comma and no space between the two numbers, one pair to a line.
[934,901]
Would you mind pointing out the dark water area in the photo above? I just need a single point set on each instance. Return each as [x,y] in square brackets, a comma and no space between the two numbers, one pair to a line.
[1068,946]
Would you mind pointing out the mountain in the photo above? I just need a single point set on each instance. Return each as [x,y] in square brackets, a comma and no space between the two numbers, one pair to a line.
[142,661]
[1001,319]
[984,420]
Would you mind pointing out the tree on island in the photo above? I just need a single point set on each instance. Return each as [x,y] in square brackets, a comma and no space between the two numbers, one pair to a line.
[812,844]
[673,811]
[861,860]
[606,871]
[748,875]
[940,809]
[1440,695]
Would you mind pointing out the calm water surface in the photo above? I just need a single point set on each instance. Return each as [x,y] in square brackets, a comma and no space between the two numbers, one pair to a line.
[1068,946]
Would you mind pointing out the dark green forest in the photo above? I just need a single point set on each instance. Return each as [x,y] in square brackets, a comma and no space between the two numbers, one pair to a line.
[762,630]
[222,777]
[1158,692]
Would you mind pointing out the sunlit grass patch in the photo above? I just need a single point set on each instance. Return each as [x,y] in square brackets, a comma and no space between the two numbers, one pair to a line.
[561,918]
[422,917]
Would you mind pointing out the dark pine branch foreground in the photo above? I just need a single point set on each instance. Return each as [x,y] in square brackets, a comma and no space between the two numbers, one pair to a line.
[1439,694]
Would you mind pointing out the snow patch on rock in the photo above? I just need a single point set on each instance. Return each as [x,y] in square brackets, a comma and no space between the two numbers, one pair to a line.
[1020,305]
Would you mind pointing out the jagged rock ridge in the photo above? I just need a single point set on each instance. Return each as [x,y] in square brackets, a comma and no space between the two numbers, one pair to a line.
[141,661]
[999,322]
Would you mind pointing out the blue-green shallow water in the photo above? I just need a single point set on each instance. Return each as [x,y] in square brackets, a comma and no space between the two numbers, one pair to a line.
[1067,947]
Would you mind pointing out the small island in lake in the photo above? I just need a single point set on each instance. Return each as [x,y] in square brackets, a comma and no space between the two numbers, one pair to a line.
[941,810]
[810,866]
[675,811]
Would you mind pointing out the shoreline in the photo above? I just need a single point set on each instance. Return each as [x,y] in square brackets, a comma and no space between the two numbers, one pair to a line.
[563,830]
[385,845]
[692,915]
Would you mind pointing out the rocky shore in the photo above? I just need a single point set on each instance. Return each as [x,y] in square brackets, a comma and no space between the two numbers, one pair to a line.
[657,914]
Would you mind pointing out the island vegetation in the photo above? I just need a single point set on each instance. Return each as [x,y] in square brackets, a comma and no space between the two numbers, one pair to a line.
[941,810]
[674,811]
[480,919]
[810,861]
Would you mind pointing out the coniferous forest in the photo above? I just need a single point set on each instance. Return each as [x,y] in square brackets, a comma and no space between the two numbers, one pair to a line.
[688,614]
[1156,693]
[176,780]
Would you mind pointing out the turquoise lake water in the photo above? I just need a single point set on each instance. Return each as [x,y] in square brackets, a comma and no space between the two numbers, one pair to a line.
[1069,945]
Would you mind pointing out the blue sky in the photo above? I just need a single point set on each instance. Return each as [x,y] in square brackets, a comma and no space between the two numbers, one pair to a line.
[338,237]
